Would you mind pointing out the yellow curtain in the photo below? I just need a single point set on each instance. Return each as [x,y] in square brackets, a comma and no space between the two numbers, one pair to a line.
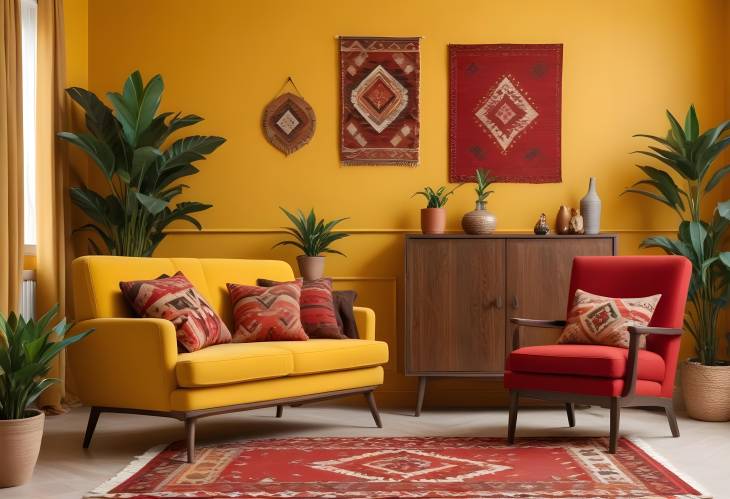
[53,203]
[11,157]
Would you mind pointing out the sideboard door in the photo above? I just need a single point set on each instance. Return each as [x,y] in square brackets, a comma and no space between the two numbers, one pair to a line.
[538,280]
[455,308]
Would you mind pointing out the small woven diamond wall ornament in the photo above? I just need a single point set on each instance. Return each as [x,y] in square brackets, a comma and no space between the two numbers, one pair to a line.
[288,121]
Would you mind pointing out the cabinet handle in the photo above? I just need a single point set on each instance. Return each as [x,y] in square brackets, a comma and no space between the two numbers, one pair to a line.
[498,303]
[515,304]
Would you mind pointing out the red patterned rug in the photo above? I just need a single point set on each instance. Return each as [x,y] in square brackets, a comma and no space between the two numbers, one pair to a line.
[401,467]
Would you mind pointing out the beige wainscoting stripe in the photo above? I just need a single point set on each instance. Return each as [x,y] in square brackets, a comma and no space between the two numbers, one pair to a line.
[277,230]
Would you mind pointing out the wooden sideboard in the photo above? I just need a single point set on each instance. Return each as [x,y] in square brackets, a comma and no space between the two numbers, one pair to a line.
[461,291]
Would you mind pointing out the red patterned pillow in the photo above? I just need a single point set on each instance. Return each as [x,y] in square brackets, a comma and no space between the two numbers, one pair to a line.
[176,299]
[267,314]
[318,313]
[599,320]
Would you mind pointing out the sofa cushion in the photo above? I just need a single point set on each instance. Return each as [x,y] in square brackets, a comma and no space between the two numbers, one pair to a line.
[232,363]
[315,356]
[584,360]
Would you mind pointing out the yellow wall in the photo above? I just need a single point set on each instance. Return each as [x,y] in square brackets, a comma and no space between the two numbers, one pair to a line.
[624,63]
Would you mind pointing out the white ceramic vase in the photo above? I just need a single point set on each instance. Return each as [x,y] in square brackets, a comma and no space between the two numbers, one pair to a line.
[590,208]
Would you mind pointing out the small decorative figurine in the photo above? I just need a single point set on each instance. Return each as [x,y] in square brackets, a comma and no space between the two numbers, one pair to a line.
[542,227]
[576,222]
[562,220]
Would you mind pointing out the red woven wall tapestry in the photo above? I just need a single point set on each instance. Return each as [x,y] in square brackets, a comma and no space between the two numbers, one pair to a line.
[504,112]
[379,86]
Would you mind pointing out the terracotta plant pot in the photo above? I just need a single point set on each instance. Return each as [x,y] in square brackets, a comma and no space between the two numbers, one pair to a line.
[311,267]
[706,391]
[479,221]
[433,220]
[20,441]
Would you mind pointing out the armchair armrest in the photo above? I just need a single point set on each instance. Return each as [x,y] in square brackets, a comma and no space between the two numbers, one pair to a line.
[632,362]
[365,319]
[127,363]
[520,323]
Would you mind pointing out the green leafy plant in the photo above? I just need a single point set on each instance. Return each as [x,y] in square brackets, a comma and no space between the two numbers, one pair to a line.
[689,155]
[311,236]
[483,182]
[436,198]
[26,351]
[127,145]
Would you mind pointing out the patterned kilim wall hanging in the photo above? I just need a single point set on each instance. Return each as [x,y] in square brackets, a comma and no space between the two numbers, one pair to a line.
[504,112]
[288,121]
[380,80]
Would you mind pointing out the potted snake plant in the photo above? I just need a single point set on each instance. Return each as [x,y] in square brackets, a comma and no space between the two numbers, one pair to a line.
[479,220]
[27,348]
[689,155]
[433,216]
[314,238]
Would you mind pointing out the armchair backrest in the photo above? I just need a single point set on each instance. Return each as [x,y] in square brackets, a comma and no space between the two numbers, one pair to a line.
[635,277]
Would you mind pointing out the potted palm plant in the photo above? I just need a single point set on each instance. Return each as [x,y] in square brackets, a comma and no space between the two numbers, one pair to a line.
[433,216]
[689,156]
[480,221]
[313,237]
[27,349]
[141,173]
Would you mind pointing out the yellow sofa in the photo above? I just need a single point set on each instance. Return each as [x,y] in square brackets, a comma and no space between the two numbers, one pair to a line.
[132,365]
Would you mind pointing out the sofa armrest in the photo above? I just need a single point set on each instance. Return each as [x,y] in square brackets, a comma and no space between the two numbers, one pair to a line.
[128,363]
[365,319]
[513,334]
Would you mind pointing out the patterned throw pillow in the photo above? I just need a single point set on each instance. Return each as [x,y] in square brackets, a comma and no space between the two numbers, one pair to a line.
[267,314]
[318,313]
[176,299]
[599,320]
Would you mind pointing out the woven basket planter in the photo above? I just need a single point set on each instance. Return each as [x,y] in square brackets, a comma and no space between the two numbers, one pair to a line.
[706,391]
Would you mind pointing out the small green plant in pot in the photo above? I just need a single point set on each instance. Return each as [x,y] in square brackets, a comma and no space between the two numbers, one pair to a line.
[314,237]
[433,216]
[689,156]
[27,348]
[480,221]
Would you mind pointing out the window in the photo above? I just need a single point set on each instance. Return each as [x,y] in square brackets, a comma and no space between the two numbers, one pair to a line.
[29,32]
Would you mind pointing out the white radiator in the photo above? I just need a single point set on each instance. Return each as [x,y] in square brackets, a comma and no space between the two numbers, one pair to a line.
[27,295]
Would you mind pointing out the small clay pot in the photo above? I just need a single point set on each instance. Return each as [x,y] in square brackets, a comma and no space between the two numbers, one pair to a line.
[311,267]
[20,440]
[433,220]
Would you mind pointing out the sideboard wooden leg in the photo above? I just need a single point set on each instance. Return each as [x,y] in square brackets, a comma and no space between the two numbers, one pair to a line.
[91,426]
[421,394]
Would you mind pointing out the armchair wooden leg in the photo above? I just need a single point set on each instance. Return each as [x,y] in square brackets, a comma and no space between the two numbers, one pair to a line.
[91,426]
[190,438]
[279,411]
[421,394]
[570,409]
[615,421]
[669,410]
[514,401]
[373,408]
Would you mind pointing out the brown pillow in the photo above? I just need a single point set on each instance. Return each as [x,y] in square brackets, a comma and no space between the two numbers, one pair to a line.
[343,303]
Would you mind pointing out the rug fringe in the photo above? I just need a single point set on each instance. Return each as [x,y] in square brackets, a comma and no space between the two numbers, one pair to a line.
[128,472]
[659,458]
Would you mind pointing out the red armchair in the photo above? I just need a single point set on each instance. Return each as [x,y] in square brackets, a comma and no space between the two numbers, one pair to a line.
[606,376]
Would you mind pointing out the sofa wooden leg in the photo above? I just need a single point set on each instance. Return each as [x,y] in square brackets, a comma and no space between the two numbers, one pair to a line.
[91,426]
[669,410]
[421,394]
[370,397]
[190,438]
[279,411]
[514,402]
[570,409]
[615,422]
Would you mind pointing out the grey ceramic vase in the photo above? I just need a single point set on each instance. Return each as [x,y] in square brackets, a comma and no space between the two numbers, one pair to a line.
[590,208]
[479,221]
